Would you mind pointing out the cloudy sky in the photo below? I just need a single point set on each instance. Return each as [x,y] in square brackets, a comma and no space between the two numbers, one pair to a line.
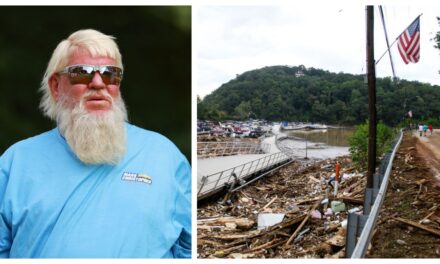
[230,40]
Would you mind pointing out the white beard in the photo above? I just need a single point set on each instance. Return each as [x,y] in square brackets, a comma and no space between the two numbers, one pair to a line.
[95,139]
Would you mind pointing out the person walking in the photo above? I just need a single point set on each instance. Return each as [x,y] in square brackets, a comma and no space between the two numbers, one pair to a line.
[420,129]
[425,128]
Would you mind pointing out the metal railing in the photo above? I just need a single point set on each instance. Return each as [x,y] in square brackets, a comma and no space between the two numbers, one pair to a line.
[211,183]
[364,224]
[218,149]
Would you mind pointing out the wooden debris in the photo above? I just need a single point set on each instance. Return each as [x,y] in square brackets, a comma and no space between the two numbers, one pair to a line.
[412,223]
[293,191]
[264,246]
[323,249]
[304,221]
[224,252]
[233,236]
[427,217]
[314,179]
[308,200]
[329,229]
[346,199]
[269,203]
[205,241]
[241,223]
[336,240]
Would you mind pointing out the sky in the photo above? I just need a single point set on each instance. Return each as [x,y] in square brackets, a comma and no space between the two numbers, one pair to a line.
[231,40]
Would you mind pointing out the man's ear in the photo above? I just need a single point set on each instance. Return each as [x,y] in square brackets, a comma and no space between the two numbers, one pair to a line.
[54,84]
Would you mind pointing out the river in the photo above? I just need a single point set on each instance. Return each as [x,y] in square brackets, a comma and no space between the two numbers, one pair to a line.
[320,144]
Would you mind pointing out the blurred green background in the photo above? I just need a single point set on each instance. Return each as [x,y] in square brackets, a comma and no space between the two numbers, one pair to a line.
[155,42]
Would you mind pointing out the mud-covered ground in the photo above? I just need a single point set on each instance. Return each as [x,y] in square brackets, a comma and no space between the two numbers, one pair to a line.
[413,194]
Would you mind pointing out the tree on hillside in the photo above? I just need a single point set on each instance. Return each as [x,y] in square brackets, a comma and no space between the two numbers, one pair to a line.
[279,93]
[437,37]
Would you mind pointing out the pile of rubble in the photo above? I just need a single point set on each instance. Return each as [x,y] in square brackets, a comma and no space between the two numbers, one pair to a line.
[291,214]
[409,222]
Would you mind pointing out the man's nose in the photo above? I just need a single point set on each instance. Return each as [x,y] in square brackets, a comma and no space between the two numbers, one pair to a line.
[97,82]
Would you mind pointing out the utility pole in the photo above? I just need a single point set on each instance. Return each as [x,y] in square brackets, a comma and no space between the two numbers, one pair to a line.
[371,72]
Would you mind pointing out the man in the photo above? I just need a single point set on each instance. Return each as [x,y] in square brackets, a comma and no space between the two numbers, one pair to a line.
[95,186]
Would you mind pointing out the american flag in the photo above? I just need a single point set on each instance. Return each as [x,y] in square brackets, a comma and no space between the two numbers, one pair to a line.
[409,43]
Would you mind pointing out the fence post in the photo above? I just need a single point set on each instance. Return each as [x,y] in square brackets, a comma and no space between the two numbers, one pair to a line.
[218,179]
[350,240]
[203,184]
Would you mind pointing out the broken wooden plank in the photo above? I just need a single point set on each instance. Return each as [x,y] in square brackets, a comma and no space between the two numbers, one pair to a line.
[351,200]
[426,217]
[304,221]
[216,219]
[264,246]
[306,201]
[210,227]
[209,242]
[327,229]
[314,179]
[412,223]
[269,203]
[222,253]
[242,223]
[234,236]
[284,224]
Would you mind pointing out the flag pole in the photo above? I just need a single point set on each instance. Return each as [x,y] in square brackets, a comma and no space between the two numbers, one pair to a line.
[388,43]
[387,50]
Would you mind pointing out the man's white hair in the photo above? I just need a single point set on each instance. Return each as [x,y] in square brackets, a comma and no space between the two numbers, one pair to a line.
[95,42]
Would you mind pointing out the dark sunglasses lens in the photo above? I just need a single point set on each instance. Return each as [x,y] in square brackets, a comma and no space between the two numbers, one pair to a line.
[80,74]
[111,75]
[83,74]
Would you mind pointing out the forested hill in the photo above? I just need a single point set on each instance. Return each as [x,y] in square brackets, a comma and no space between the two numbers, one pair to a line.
[307,94]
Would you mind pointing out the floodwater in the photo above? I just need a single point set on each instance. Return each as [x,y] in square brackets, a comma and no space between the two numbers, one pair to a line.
[331,136]
[318,144]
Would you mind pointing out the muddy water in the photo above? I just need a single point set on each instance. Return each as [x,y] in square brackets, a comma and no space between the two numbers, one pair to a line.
[332,137]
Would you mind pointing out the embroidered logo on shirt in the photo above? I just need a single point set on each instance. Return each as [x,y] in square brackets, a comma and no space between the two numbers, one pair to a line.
[137,177]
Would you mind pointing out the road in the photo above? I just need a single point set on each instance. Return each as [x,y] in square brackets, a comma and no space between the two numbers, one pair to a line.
[429,148]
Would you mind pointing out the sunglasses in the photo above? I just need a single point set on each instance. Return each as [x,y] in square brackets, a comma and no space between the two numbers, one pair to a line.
[83,74]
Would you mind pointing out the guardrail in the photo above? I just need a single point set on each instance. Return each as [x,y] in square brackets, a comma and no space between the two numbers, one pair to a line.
[217,149]
[362,226]
[213,182]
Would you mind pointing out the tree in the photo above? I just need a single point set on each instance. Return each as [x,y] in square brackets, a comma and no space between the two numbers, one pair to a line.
[201,109]
[437,37]
[359,143]
[278,93]
[243,110]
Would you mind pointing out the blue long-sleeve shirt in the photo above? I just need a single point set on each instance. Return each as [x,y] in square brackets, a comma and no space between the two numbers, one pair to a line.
[54,206]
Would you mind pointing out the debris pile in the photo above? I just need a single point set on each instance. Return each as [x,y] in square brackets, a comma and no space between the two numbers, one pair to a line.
[292,214]
[409,222]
